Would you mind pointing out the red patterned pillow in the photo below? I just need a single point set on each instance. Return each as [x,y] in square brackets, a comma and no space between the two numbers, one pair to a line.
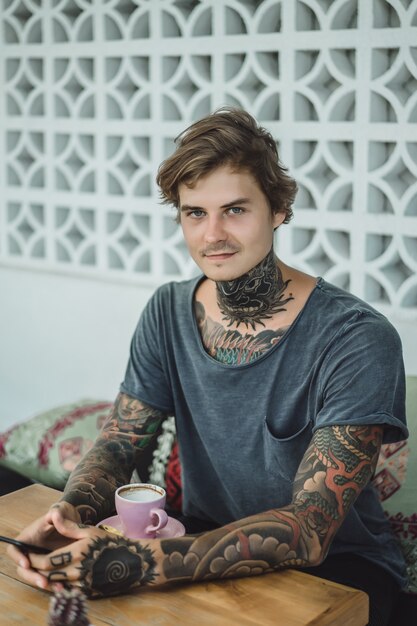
[395,480]
[47,447]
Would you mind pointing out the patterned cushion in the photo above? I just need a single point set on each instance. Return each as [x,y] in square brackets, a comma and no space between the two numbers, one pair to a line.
[396,481]
[47,447]
[173,480]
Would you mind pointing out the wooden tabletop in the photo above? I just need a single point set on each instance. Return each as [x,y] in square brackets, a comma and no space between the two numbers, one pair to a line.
[289,597]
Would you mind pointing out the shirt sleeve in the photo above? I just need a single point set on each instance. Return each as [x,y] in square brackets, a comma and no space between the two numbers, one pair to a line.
[363,379]
[145,378]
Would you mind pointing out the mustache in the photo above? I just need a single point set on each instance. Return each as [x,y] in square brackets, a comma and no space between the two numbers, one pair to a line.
[219,248]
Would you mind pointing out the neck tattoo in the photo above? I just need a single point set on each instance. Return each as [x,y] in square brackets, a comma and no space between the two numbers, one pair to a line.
[255,296]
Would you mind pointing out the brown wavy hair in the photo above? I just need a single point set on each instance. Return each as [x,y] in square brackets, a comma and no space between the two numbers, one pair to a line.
[229,136]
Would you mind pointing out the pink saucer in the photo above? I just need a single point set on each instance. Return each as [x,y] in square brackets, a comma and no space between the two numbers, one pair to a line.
[174,528]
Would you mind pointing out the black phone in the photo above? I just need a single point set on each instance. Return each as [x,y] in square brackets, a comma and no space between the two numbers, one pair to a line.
[25,547]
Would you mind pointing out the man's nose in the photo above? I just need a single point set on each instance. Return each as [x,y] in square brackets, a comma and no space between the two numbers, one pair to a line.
[215,230]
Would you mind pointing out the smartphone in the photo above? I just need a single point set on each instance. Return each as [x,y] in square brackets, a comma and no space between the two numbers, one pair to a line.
[25,547]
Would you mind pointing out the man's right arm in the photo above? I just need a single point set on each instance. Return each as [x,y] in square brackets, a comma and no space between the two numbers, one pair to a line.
[89,494]
[111,461]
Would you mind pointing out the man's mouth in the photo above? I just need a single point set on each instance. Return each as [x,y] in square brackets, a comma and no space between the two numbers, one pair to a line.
[218,256]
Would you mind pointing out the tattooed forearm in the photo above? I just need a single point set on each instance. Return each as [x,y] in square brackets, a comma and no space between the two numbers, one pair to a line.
[111,461]
[133,420]
[116,565]
[255,545]
[335,468]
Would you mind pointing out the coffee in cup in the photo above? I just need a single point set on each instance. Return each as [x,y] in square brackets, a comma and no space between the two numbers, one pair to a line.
[140,507]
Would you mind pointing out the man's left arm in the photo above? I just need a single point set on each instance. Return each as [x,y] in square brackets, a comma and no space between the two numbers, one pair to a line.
[337,465]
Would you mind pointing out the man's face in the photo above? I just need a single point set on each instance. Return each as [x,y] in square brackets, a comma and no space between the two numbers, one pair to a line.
[227,223]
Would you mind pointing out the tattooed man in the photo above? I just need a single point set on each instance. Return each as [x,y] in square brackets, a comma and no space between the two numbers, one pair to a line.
[283,388]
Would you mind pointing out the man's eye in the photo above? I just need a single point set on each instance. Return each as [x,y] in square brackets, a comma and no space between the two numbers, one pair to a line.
[196,213]
[236,210]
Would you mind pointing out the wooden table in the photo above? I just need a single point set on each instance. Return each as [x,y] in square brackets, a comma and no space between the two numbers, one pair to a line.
[289,598]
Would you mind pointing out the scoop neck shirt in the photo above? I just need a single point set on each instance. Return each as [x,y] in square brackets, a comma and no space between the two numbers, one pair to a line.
[243,428]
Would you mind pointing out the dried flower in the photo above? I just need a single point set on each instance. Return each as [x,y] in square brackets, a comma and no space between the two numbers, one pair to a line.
[68,607]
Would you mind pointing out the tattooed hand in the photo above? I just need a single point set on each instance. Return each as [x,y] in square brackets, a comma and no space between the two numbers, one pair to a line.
[115,565]
[100,563]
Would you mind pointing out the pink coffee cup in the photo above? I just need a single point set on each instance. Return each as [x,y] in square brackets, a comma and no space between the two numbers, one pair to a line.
[140,507]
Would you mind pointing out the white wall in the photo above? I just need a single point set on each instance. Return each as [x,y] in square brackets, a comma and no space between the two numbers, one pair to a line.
[62,339]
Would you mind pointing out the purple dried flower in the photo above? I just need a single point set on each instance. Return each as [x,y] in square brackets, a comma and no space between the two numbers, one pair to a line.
[68,607]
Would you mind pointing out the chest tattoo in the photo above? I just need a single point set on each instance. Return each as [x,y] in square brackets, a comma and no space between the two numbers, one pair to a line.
[231,346]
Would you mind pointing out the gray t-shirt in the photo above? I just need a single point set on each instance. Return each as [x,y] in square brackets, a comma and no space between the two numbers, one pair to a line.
[243,429]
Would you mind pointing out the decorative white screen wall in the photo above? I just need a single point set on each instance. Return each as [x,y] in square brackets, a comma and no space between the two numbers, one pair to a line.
[93,93]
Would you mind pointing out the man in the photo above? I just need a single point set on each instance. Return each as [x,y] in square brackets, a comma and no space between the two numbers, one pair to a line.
[283,388]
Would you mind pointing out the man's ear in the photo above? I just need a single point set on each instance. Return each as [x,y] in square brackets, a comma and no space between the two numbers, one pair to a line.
[277,219]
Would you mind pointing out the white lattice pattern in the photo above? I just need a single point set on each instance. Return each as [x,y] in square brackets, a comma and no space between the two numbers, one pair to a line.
[93,93]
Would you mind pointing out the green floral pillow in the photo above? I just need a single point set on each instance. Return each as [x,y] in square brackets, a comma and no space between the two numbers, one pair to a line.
[396,482]
[47,447]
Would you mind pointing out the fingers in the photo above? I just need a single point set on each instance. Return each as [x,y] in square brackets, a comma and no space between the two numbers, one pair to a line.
[56,529]
[68,528]
[68,575]
[45,531]
[43,571]
[63,565]
[58,561]
[40,533]
[17,556]
[64,510]
[32,577]
[51,580]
